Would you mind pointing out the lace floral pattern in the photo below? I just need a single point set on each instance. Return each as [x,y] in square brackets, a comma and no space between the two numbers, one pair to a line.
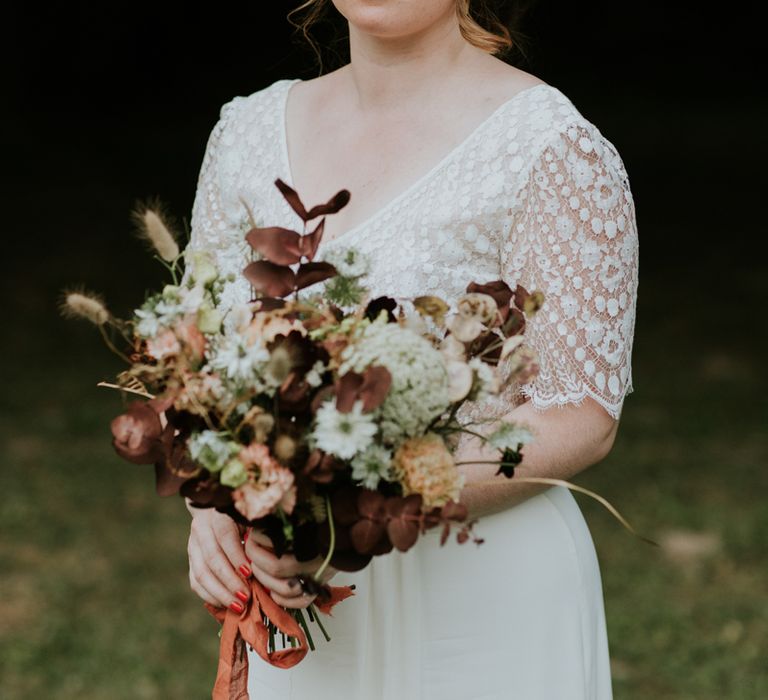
[534,195]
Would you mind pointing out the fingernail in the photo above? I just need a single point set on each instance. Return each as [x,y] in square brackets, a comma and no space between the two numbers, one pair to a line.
[236,607]
[243,596]
[293,582]
[245,571]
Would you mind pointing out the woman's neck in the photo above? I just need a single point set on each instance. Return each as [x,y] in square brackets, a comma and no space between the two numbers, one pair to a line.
[385,72]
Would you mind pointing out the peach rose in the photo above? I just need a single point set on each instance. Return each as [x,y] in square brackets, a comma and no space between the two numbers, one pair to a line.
[425,466]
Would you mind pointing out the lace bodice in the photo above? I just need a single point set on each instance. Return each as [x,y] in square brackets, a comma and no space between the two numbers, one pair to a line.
[534,195]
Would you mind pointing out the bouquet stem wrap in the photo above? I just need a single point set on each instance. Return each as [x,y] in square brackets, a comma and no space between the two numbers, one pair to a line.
[248,628]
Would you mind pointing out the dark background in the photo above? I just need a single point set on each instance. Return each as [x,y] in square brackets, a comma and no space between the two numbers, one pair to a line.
[108,103]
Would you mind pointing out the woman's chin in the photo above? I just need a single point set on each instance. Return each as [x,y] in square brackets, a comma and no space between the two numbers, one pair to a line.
[393,19]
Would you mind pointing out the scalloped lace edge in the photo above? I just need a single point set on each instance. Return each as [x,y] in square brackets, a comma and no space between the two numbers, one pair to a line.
[540,403]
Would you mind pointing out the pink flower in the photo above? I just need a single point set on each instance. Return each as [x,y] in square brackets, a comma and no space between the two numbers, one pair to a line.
[274,486]
[189,334]
[164,345]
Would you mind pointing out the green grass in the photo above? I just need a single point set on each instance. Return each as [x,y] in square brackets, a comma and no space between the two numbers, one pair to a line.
[95,600]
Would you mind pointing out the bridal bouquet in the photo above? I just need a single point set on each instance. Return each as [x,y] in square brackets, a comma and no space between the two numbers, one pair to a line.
[327,420]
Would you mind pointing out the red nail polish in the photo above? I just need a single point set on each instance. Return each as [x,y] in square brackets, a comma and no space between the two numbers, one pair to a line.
[236,607]
[245,571]
[242,596]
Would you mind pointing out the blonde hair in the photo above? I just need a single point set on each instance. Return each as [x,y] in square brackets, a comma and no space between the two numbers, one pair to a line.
[478,24]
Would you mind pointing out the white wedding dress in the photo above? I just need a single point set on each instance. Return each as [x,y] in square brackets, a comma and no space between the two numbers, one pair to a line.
[534,195]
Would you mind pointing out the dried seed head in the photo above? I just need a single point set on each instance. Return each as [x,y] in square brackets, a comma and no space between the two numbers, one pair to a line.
[285,447]
[87,306]
[153,227]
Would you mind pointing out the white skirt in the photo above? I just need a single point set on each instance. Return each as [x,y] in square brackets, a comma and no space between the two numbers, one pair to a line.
[520,616]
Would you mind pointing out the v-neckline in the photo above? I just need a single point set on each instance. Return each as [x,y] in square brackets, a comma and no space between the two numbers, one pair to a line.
[418,182]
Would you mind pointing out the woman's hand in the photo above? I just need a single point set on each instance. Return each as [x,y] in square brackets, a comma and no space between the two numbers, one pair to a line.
[217,563]
[281,574]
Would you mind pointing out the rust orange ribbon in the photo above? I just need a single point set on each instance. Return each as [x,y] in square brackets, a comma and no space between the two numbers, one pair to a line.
[248,628]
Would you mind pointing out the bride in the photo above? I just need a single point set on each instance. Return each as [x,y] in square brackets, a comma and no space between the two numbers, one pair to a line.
[461,168]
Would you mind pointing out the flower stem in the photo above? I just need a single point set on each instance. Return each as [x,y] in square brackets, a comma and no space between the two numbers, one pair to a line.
[111,345]
[332,544]
[302,621]
[567,484]
[319,622]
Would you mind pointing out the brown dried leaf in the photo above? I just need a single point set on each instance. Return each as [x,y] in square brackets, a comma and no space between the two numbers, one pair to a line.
[403,533]
[432,306]
[347,389]
[278,245]
[366,535]
[377,381]
[371,504]
[533,303]
[312,273]
[270,279]
[455,511]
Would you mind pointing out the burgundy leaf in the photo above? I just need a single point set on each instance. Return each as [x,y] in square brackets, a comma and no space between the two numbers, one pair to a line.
[292,198]
[376,305]
[403,533]
[270,279]
[322,394]
[349,560]
[455,511]
[308,243]
[320,466]
[366,534]
[293,391]
[278,245]
[334,204]
[136,434]
[377,381]
[269,303]
[445,533]
[162,403]
[371,504]
[384,546]
[399,506]
[312,273]
[206,493]
[344,506]
[500,292]
[166,482]
[514,324]
[305,541]
[521,295]
[347,389]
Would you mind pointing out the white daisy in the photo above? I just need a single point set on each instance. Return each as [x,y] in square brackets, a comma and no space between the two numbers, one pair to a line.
[343,434]
[372,465]
[238,360]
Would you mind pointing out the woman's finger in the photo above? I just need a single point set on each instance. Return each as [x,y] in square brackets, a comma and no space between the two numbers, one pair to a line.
[205,577]
[204,538]
[279,567]
[287,587]
[301,601]
[200,591]
[228,538]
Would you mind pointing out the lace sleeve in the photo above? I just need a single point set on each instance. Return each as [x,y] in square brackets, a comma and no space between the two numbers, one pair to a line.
[573,235]
[213,217]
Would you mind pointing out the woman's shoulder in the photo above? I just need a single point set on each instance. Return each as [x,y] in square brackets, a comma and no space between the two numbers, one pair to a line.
[550,123]
[263,105]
